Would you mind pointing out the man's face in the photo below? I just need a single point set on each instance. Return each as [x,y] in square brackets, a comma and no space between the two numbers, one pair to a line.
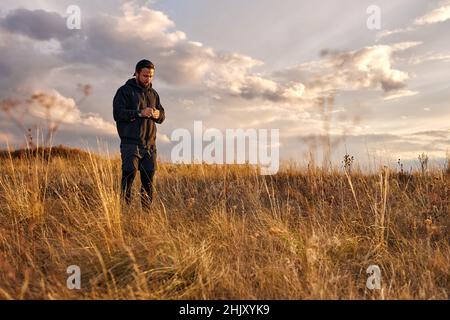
[145,76]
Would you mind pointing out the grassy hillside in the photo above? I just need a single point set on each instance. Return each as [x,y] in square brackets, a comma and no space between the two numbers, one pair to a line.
[220,232]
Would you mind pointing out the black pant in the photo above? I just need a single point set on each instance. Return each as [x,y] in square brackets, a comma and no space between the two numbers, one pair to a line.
[136,158]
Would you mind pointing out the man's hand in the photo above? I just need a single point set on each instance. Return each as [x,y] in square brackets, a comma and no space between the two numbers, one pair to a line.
[155,113]
[146,112]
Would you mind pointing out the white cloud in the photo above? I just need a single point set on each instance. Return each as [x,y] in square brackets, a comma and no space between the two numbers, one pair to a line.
[440,14]
[400,94]
[405,45]
[430,56]
[437,15]
[385,33]
[295,91]
[164,138]
[367,68]
[59,109]
[148,24]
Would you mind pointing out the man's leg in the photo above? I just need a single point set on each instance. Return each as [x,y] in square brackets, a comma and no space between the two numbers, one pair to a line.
[147,188]
[127,184]
[147,171]
[129,169]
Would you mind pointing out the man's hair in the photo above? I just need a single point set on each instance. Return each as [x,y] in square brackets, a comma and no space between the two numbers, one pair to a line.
[143,64]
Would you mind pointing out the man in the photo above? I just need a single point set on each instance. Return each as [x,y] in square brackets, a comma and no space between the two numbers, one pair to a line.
[136,110]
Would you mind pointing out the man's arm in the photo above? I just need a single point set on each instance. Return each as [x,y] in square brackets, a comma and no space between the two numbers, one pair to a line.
[120,112]
[162,114]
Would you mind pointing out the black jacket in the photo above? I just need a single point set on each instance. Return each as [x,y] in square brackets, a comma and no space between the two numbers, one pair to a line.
[128,101]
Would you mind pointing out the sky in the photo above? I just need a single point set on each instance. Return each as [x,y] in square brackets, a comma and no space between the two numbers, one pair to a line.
[313,70]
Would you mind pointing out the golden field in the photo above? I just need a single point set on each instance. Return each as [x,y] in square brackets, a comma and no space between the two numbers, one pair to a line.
[220,232]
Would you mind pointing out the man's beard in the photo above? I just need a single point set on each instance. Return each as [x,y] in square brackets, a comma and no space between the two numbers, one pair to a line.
[143,84]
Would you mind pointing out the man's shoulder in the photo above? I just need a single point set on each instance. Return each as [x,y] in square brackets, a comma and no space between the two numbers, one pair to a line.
[126,86]
[123,88]
[123,91]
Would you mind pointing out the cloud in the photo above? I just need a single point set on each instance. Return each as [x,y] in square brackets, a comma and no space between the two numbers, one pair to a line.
[164,138]
[59,109]
[120,40]
[437,15]
[150,24]
[367,68]
[378,147]
[440,14]
[400,94]
[386,33]
[444,134]
[112,40]
[231,73]
[36,24]
[22,64]
[430,56]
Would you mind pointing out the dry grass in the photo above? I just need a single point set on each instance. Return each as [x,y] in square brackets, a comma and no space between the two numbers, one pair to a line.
[220,232]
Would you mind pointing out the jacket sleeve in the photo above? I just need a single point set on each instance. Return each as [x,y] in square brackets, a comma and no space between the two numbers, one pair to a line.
[120,112]
[162,114]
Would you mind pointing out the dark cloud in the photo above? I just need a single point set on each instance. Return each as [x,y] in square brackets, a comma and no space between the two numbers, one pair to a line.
[36,24]
[101,43]
[22,66]
[433,133]
[388,84]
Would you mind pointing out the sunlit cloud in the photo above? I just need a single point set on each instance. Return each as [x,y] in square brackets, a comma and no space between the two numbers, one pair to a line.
[440,14]
[65,111]
[400,94]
